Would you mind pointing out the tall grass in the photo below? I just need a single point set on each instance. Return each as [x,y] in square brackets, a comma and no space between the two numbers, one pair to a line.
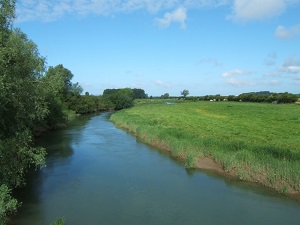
[256,142]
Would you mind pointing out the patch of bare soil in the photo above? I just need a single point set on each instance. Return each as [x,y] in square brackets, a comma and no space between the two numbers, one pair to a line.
[207,163]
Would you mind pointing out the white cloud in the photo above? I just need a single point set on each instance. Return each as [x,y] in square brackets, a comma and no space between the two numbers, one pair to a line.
[291,65]
[236,72]
[246,10]
[282,32]
[46,10]
[177,16]
[230,77]
[41,10]
[290,69]
[50,10]
[239,83]
[162,84]
[205,3]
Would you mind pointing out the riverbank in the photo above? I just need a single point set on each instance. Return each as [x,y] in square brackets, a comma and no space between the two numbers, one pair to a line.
[249,141]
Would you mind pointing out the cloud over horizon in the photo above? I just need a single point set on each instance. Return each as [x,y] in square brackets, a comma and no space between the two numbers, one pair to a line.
[232,78]
[291,66]
[236,72]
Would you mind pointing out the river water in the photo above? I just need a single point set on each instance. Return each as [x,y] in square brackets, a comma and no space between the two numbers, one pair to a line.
[99,174]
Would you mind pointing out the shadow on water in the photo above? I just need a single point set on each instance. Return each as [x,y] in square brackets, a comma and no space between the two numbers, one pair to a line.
[58,145]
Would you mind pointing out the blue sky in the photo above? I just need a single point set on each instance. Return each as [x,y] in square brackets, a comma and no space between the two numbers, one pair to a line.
[164,46]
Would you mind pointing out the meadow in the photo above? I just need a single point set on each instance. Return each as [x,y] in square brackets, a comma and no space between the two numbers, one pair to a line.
[255,142]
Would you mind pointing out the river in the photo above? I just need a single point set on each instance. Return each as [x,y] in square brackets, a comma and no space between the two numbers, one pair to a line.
[99,174]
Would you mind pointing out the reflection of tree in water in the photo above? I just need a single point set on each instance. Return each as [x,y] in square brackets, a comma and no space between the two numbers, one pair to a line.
[58,145]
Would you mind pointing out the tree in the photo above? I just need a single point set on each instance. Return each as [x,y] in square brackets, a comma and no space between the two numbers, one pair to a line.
[165,96]
[58,80]
[119,98]
[59,92]
[7,203]
[7,15]
[139,93]
[185,93]
[22,106]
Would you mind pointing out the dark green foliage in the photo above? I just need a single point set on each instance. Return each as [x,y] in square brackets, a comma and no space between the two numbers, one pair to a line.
[265,96]
[22,106]
[59,93]
[7,15]
[83,104]
[7,203]
[139,93]
[165,96]
[262,96]
[185,93]
[119,98]
[56,118]
[60,221]
[58,81]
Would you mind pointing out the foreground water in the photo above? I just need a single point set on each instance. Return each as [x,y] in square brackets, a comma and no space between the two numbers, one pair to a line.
[98,174]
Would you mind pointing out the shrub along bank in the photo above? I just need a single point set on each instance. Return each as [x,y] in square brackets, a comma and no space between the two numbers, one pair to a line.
[252,141]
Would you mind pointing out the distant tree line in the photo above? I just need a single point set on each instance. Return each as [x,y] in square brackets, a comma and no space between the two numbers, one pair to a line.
[264,96]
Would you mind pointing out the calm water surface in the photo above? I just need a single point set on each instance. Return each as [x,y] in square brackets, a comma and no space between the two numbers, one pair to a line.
[98,174]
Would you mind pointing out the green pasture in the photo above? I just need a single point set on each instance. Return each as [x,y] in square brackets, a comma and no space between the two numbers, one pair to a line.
[257,142]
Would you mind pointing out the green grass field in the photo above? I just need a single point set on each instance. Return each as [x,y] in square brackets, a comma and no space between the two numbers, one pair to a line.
[256,142]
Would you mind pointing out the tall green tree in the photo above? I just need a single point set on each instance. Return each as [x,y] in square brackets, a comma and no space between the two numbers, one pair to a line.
[22,105]
[165,96]
[59,92]
[185,93]
[119,98]
[58,80]
[7,15]
[139,93]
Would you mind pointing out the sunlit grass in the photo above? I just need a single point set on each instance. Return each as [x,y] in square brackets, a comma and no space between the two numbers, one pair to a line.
[258,142]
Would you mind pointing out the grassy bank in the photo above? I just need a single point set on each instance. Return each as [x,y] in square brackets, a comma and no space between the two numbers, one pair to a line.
[254,142]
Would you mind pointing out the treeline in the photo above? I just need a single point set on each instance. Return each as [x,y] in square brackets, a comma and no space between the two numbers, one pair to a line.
[264,96]
[112,99]
[34,99]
